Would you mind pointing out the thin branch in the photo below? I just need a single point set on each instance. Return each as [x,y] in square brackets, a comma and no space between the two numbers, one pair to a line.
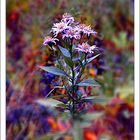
[53,90]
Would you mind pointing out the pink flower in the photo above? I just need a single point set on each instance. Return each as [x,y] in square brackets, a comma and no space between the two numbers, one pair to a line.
[49,40]
[67,18]
[59,27]
[85,29]
[71,33]
[85,47]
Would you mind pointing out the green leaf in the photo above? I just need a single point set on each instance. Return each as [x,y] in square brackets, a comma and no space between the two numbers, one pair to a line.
[49,102]
[54,89]
[54,70]
[97,99]
[68,61]
[106,137]
[91,59]
[81,64]
[50,136]
[85,124]
[58,96]
[92,116]
[82,56]
[64,51]
[62,105]
[88,82]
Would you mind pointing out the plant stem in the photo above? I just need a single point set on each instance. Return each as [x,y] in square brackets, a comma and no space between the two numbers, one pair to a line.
[73,85]
[85,57]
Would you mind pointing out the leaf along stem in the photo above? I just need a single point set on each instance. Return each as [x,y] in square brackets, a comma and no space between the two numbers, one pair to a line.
[82,70]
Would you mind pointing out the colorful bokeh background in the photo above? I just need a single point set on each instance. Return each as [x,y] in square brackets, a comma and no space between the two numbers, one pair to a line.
[28,22]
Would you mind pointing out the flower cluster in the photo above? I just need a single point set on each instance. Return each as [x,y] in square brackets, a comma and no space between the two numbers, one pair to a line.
[67,28]
[67,18]
[85,47]
[49,40]
[84,29]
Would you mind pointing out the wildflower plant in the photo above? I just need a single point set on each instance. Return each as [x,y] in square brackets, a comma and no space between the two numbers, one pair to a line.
[72,45]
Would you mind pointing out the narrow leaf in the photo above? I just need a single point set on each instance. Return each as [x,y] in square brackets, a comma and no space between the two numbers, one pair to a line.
[62,105]
[92,116]
[81,64]
[50,136]
[68,61]
[54,89]
[49,102]
[97,99]
[90,59]
[54,70]
[88,82]
[64,51]
[85,124]
[58,96]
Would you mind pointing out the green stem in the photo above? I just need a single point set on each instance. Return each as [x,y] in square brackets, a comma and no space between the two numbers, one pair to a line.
[85,57]
[73,77]
[73,85]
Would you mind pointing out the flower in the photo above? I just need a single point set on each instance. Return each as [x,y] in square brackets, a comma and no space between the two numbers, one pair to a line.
[67,18]
[49,40]
[59,27]
[71,33]
[85,47]
[85,29]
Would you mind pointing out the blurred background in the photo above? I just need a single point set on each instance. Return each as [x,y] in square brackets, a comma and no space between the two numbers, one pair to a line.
[28,22]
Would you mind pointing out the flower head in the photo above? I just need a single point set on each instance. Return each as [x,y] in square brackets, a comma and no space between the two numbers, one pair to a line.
[49,40]
[85,29]
[71,33]
[67,18]
[59,27]
[85,47]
